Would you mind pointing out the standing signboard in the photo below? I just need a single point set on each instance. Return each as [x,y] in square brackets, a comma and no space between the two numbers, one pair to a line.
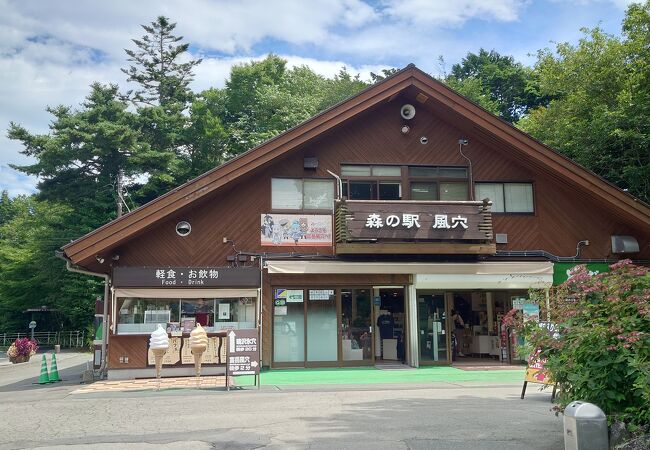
[243,354]
[536,373]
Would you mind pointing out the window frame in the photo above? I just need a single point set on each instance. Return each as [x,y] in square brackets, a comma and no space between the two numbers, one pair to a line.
[303,210]
[373,179]
[505,208]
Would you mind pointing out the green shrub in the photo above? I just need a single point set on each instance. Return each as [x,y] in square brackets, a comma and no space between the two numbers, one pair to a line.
[599,347]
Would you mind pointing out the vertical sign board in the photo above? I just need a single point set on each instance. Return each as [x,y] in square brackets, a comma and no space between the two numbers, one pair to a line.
[243,357]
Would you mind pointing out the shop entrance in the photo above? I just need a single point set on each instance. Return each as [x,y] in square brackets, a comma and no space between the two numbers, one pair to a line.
[390,322]
[346,326]
[434,338]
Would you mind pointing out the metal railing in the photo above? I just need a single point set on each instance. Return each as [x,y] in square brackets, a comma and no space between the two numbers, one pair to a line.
[67,339]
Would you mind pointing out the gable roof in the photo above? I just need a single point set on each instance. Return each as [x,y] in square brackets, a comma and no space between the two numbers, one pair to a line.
[488,125]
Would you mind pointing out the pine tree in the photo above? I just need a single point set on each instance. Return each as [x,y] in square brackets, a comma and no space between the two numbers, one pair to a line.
[162,79]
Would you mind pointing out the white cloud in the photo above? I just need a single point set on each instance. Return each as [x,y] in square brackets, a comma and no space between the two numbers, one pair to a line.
[16,183]
[51,51]
[453,13]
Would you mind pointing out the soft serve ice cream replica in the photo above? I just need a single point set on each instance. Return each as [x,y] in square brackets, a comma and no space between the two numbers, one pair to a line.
[159,343]
[198,345]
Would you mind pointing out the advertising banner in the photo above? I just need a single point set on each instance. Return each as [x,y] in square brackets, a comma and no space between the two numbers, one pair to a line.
[293,230]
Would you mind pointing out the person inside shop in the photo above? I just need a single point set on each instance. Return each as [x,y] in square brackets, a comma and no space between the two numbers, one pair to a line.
[459,325]
[386,325]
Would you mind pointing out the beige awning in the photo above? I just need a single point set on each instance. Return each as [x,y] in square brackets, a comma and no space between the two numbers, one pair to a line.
[185,293]
[483,275]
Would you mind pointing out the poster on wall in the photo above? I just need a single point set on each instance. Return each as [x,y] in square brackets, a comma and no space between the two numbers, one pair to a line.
[172,355]
[210,356]
[531,312]
[292,230]
[290,295]
[321,294]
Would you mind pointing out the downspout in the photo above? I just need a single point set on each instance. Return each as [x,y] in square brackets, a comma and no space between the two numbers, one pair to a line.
[107,281]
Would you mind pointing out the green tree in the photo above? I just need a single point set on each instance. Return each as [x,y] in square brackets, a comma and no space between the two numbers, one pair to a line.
[264,98]
[78,162]
[496,82]
[163,80]
[31,276]
[169,118]
[600,112]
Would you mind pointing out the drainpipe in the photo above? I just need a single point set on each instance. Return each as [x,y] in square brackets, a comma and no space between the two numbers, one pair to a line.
[339,185]
[107,281]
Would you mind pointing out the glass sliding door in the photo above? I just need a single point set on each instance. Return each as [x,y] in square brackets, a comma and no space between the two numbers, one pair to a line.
[432,328]
[289,331]
[356,325]
[321,326]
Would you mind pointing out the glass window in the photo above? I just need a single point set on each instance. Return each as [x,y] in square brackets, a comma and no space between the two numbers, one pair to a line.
[355,171]
[493,191]
[390,190]
[318,194]
[424,191]
[142,315]
[429,172]
[453,191]
[201,310]
[507,197]
[362,190]
[386,171]
[519,197]
[322,336]
[286,193]
[452,172]
[289,333]
[234,313]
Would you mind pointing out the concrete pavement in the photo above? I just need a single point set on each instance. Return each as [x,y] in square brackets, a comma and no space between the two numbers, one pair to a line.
[457,415]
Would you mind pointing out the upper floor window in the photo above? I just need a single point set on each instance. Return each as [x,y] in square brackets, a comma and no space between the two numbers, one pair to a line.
[507,197]
[376,182]
[438,183]
[302,194]
[371,182]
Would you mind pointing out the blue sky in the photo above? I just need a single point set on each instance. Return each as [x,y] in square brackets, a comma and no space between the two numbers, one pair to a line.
[51,51]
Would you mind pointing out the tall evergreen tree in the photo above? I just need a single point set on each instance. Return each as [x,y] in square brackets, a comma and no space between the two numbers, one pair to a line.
[78,162]
[162,79]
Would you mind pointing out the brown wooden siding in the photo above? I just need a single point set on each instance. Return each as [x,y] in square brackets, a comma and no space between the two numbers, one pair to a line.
[563,214]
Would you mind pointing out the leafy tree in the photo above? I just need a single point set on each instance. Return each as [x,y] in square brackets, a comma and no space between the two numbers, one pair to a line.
[600,112]
[262,99]
[474,89]
[79,160]
[497,83]
[31,276]
[163,80]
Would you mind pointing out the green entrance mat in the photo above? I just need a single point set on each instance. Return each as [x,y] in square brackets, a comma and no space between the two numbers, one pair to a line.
[371,375]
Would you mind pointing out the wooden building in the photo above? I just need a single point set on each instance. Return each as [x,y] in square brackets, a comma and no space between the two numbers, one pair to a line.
[351,237]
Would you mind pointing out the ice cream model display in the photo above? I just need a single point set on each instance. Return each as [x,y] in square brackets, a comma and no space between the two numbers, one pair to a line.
[198,345]
[159,343]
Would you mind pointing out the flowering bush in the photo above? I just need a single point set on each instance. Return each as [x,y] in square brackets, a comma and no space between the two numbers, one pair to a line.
[598,346]
[22,347]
